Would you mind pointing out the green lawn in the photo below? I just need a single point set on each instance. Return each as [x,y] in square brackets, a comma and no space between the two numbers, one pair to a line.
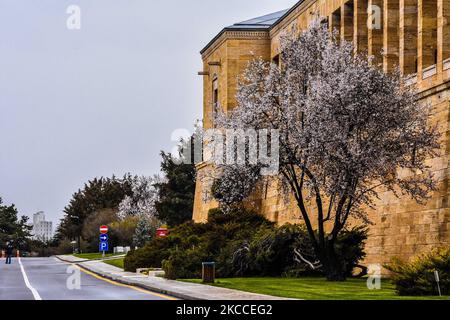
[92,256]
[116,263]
[314,288]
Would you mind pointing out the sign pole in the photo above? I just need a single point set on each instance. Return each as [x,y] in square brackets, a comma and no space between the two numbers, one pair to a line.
[103,240]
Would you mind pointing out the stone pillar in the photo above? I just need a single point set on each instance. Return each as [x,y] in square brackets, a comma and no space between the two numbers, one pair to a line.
[427,44]
[375,30]
[347,20]
[408,36]
[360,23]
[391,35]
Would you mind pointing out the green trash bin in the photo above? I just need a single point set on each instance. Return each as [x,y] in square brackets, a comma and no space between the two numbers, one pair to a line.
[208,272]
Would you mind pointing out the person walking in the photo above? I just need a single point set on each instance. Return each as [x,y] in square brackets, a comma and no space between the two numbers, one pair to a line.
[9,252]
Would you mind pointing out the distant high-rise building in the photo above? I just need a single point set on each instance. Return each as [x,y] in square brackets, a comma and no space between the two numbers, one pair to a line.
[42,230]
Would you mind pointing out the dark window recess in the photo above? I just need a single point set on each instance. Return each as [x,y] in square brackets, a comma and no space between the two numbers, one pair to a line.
[276,60]
[215,98]
[325,22]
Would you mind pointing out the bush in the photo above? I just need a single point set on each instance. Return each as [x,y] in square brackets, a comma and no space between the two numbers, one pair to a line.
[150,256]
[184,265]
[64,247]
[350,248]
[159,249]
[91,224]
[272,251]
[242,243]
[207,241]
[416,278]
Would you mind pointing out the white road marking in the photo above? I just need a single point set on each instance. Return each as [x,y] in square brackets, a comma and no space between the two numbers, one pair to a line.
[27,283]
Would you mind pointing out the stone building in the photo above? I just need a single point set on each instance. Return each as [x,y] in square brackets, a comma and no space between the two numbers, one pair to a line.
[411,34]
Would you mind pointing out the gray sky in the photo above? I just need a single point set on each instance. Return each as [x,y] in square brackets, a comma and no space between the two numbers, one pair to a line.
[103,100]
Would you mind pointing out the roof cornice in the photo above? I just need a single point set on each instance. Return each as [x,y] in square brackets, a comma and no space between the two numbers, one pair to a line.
[234,29]
[234,33]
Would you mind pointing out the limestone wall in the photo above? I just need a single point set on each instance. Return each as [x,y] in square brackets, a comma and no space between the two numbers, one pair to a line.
[415,35]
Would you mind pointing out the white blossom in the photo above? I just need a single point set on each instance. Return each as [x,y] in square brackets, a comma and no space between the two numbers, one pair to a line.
[143,199]
[346,130]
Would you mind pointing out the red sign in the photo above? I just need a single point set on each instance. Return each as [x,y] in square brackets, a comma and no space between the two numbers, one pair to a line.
[104,229]
[162,232]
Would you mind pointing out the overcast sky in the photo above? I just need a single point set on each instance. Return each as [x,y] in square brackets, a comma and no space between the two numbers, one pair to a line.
[102,100]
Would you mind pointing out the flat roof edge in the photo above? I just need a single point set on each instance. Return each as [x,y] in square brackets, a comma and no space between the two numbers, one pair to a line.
[265,28]
[231,29]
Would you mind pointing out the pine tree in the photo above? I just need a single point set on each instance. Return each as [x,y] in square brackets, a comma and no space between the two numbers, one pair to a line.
[13,228]
[176,193]
[144,231]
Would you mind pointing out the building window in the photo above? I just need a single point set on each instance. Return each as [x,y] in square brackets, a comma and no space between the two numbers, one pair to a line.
[429,33]
[336,23]
[276,60]
[409,30]
[347,25]
[325,22]
[446,30]
[215,98]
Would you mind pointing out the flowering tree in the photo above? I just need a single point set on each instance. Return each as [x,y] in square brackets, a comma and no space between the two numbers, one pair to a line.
[346,131]
[141,204]
[143,198]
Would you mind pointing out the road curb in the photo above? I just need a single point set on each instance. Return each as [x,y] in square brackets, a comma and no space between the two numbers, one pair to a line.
[176,289]
[139,284]
[121,280]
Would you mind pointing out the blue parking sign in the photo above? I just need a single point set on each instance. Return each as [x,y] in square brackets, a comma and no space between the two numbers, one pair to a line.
[103,246]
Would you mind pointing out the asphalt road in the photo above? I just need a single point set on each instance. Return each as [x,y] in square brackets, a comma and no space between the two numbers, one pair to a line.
[47,279]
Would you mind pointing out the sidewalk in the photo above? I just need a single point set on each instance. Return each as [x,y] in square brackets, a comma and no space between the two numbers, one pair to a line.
[178,289]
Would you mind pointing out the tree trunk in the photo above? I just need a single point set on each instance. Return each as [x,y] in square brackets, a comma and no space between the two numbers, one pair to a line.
[332,266]
[324,248]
